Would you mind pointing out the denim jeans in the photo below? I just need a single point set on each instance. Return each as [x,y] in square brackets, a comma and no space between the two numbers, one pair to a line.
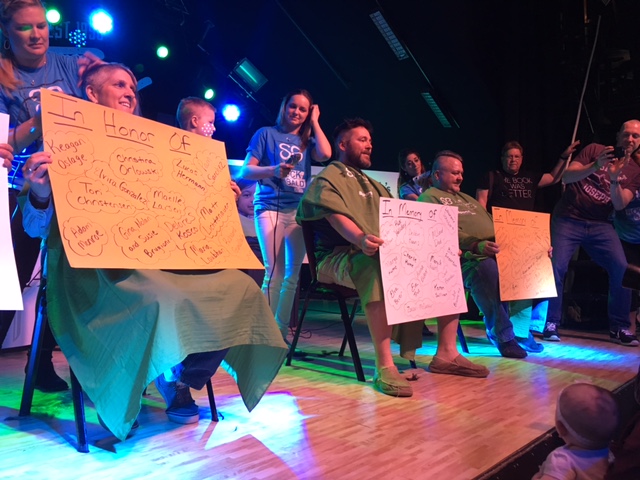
[481,279]
[198,368]
[601,242]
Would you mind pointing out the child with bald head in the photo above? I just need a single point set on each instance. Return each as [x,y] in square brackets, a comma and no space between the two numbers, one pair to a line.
[586,419]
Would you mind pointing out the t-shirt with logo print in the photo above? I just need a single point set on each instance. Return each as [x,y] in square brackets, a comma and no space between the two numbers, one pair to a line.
[58,74]
[590,198]
[511,191]
[272,147]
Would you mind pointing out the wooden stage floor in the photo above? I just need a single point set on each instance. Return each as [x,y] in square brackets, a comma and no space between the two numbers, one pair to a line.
[316,421]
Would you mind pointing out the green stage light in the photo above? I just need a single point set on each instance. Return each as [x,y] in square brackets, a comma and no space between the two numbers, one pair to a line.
[162,52]
[53,16]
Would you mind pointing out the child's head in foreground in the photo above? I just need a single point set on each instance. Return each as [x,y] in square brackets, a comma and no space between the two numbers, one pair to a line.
[586,416]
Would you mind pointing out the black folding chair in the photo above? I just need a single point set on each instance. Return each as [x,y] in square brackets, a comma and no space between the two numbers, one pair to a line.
[329,290]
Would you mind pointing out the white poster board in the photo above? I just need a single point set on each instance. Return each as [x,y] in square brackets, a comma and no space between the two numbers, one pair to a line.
[10,292]
[524,265]
[419,260]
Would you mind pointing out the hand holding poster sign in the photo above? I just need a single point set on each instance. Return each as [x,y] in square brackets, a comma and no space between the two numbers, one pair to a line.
[524,265]
[133,193]
[419,260]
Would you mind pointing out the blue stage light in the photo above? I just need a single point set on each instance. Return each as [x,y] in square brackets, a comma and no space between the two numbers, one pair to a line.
[231,113]
[209,93]
[101,21]
[77,38]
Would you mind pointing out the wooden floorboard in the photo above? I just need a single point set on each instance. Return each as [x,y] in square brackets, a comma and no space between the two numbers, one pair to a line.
[317,421]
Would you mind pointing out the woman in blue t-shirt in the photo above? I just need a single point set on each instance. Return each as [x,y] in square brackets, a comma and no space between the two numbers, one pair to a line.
[411,168]
[279,158]
[26,65]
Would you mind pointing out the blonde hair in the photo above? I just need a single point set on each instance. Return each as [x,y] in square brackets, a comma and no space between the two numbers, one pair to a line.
[97,75]
[188,107]
[8,9]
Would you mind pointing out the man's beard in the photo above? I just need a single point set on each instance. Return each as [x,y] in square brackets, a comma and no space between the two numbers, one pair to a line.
[358,161]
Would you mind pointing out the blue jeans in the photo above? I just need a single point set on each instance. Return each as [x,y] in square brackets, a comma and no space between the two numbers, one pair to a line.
[198,368]
[481,279]
[601,242]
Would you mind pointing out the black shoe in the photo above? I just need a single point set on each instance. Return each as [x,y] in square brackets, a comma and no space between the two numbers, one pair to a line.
[132,432]
[50,383]
[624,337]
[47,380]
[426,332]
[550,332]
[529,344]
[511,349]
[181,408]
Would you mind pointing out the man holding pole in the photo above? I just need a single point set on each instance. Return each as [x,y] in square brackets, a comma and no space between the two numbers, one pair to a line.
[581,218]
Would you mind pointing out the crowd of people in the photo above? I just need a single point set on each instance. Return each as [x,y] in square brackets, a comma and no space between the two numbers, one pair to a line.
[100,318]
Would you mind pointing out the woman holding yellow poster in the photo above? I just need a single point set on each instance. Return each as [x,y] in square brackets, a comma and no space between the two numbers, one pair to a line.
[121,329]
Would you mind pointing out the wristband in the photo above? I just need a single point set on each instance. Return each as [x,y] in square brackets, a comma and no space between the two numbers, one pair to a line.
[614,182]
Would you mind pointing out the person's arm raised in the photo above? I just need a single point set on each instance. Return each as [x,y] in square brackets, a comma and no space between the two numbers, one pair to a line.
[577,170]
[555,175]
[322,150]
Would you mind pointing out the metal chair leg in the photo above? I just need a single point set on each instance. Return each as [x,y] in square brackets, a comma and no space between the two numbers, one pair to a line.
[34,355]
[352,318]
[462,339]
[215,417]
[78,413]
[355,356]
[296,335]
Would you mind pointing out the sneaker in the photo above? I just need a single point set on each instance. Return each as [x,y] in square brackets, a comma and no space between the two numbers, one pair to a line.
[389,381]
[550,332]
[529,344]
[181,408]
[511,349]
[624,337]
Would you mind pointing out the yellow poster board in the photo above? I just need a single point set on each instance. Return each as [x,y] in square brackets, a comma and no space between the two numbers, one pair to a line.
[133,193]
[524,266]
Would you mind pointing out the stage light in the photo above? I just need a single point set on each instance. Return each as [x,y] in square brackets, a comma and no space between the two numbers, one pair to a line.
[77,38]
[437,111]
[162,52]
[209,93]
[389,36]
[101,21]
[231,113]
[248,72]
[53,16]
